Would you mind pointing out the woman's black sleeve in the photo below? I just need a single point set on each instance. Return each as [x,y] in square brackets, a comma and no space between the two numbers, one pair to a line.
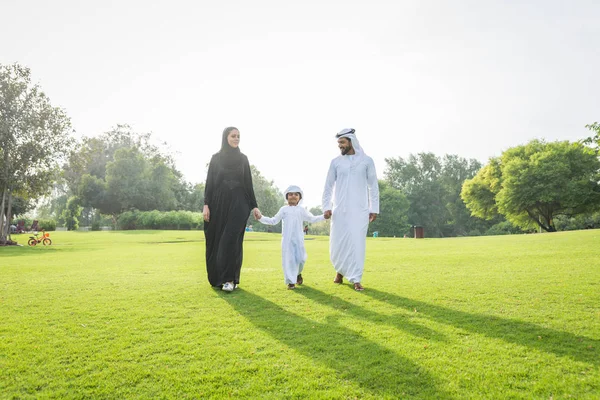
[210,182]
[248,185]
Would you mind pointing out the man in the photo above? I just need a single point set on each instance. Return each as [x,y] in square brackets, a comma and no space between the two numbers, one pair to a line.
[351,199]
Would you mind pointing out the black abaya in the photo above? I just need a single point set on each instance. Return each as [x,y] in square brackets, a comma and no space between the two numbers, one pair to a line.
[230,198]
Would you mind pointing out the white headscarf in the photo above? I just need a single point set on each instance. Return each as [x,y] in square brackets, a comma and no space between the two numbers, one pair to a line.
[349,133]
[294,189]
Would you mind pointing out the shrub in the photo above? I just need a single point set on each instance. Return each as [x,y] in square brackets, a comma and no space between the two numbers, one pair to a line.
[169,220]
[47,224]
[503,228]
[127,220]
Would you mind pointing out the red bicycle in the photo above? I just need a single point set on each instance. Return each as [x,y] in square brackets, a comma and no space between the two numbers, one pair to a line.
[45,239]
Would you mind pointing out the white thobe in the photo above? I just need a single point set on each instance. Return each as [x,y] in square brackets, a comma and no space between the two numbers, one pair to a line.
[352,187]
[293,253]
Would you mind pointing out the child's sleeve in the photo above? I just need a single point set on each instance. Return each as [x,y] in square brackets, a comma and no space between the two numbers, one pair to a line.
[272,221]
[312,218]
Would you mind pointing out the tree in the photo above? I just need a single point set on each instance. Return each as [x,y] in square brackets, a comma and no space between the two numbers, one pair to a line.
[195,200]
[534,183]
[479,193]
[53,208]
[393,209]
[34,135]
[122,170]
[454,173]
[268,197]
[93,154]
[71,214]
[593,140]
[319,228]
[432,187]
[419,179]
[20,205]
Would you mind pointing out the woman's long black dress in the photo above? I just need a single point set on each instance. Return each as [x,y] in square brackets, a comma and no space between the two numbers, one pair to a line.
[230,198]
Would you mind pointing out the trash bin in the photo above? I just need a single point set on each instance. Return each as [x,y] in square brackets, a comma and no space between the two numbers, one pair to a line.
[419,232]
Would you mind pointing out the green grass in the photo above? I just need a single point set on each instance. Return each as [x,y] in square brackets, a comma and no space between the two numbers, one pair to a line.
[131,315]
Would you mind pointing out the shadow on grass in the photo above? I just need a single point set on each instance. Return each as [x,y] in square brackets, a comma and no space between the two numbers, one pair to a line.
[137,232]
[376,369]
[24,251]
[401,322]
[177,241]
[563,344]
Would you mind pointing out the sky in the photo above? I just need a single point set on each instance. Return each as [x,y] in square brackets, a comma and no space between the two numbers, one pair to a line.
[471,78]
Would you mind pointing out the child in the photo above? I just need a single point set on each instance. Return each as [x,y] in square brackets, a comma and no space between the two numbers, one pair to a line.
[293,254]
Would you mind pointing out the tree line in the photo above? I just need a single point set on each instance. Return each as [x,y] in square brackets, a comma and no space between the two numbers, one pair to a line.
[95,180]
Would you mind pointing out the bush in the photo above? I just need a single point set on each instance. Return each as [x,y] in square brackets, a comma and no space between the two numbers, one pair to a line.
[169,220]
[47,224]
[582,221]
[503,228]
[127,220]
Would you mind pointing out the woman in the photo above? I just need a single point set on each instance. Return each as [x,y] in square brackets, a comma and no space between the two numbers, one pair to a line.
[228,199]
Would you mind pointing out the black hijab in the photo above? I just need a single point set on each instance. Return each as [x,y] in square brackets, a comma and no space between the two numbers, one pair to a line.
[230,156]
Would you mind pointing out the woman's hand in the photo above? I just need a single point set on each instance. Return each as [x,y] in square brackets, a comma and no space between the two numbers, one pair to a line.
[206,213]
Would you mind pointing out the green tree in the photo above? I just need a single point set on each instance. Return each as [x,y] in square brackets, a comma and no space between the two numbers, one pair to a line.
[34,135]
[532,184]
[454,172]
[269,200]
[593,140]
[71,213]
[20,205]
[419,178]
[122,170]
[92,154]
[196,198]
[53,207]
[318,228]
[393,212]
[432,187]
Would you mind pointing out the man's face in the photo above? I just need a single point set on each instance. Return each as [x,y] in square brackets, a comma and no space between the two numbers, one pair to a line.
[293,198]
[345,145]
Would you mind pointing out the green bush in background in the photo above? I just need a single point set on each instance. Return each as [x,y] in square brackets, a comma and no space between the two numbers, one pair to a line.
[170,220]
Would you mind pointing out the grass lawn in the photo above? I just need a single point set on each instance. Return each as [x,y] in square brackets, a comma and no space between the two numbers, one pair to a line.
[111,315]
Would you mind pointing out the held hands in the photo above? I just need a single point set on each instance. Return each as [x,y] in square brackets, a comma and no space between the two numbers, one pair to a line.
[372,216]
[257,214]
[206,213]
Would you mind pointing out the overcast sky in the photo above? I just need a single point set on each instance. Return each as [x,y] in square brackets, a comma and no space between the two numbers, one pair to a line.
[471,78]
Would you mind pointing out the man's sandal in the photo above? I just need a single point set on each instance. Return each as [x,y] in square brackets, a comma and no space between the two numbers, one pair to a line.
[358,287]
[339,278]
[299,280]
[291,286]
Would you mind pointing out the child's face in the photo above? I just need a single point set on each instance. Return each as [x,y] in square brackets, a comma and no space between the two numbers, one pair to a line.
[293,198]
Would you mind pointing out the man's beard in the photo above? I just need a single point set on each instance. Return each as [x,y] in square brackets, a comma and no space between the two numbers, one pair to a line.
[345,150]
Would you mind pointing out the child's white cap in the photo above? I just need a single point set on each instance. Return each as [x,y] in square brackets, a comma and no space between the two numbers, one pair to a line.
[293,189]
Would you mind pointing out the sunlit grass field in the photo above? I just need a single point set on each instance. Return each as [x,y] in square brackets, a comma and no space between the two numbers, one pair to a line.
[113,315]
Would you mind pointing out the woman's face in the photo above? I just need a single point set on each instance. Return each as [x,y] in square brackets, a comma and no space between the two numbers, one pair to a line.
[234,138]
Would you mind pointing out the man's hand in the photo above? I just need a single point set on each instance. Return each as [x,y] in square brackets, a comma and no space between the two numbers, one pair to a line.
[206,213]
[327,214]
[257,214]
[372,217]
